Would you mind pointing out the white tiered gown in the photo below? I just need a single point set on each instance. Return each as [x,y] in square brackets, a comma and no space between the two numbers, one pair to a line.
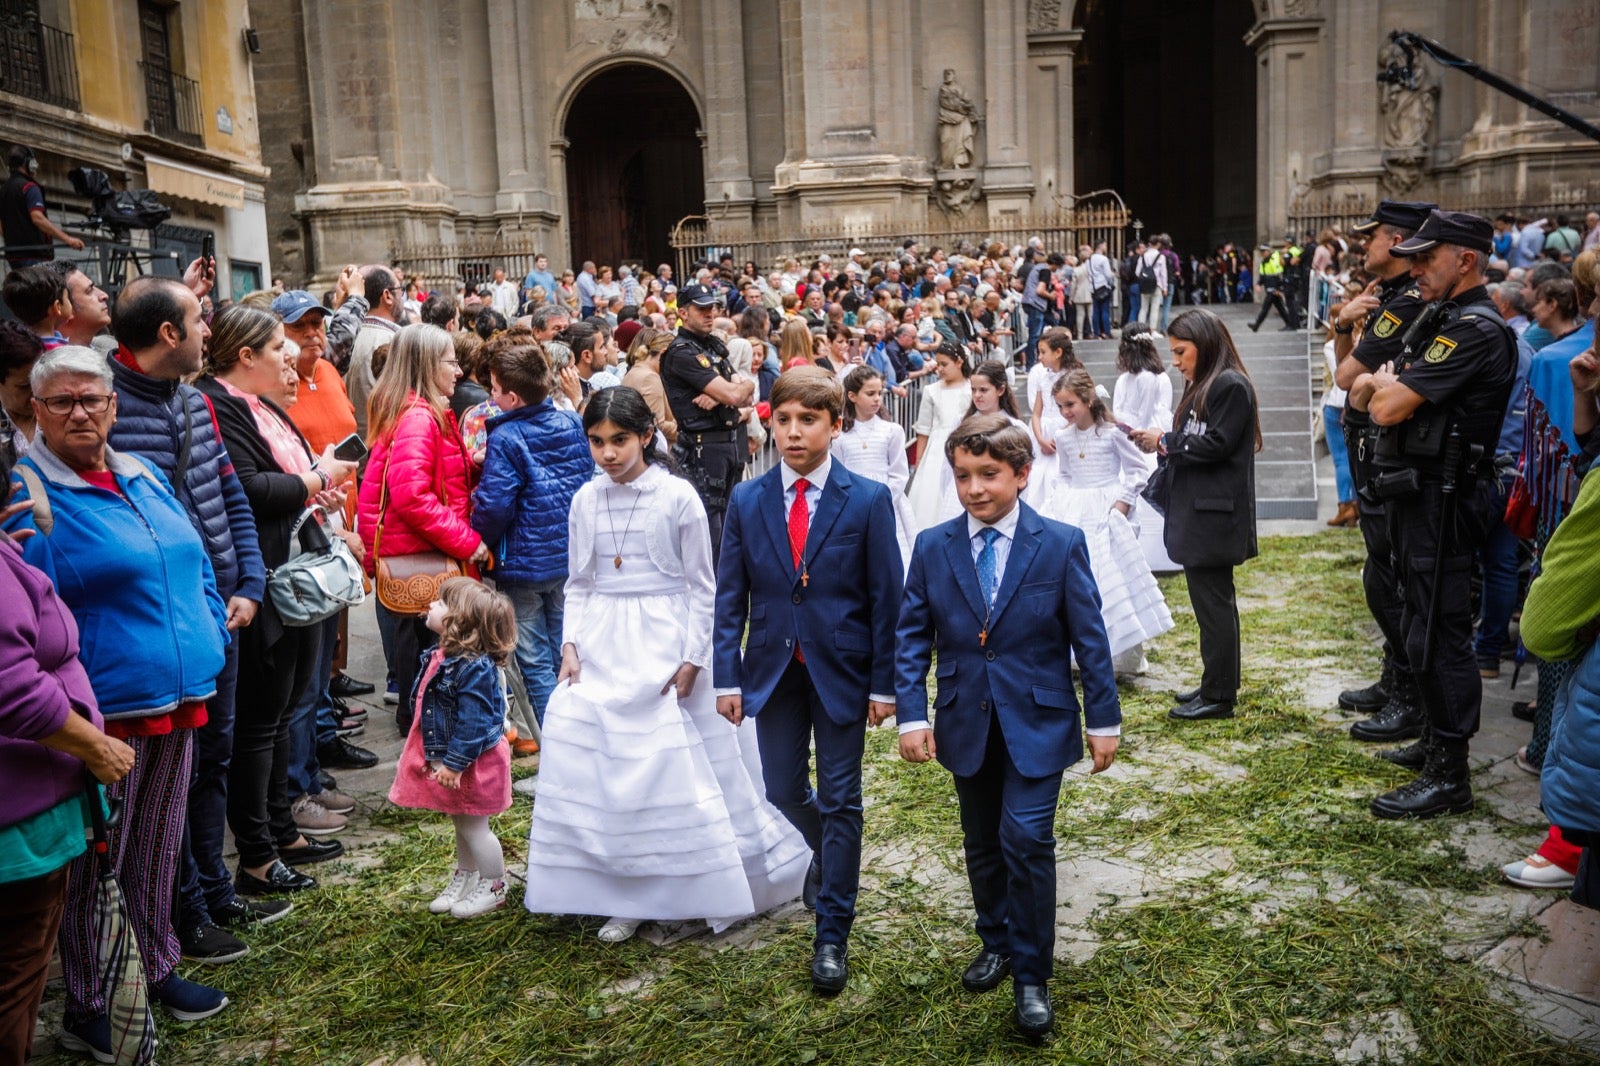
[876,449]
[1144,401]
[648,807]
[1097,468]
[943,408]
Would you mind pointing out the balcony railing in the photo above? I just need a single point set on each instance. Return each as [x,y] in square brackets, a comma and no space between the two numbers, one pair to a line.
[39,62]
[173,105]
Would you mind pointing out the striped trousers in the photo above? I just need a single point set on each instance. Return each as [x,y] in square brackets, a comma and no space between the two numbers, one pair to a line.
[145,847]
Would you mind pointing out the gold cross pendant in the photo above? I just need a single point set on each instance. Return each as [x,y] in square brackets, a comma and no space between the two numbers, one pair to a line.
[983,637]
[805,579]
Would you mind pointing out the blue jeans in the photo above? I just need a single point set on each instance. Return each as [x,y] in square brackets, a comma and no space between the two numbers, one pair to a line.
[203,878]
[1035,320]
[1333,421]
[1166,306]
[539,607]
[1499,559]
[313,722]
[1101,318]
[1133,304]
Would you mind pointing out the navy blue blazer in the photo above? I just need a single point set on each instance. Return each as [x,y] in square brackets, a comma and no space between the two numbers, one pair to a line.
[843,614]
[1047,603]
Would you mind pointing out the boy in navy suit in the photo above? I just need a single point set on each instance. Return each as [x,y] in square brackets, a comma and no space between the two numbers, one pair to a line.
[1004,594]
[810,558]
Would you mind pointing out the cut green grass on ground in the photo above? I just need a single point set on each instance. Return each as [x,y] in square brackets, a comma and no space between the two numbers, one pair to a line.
[1224,897]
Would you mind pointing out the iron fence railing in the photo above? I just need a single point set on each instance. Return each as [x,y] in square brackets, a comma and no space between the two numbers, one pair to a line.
[1318,212]
[1093,218]
[39,62]
[172,104]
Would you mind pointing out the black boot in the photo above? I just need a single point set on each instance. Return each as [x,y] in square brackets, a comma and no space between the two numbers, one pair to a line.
[1413,756]
[1397,721]
[1443,787]
[1373,697]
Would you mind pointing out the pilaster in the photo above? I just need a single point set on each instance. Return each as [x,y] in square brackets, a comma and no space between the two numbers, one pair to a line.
[1008,177]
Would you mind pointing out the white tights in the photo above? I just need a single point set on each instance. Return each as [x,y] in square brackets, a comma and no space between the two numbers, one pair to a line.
[477,848]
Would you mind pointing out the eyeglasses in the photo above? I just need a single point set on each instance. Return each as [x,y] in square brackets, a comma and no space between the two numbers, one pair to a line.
[451,362]
[92,404]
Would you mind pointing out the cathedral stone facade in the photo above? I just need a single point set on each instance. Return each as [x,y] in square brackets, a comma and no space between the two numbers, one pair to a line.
[588,127]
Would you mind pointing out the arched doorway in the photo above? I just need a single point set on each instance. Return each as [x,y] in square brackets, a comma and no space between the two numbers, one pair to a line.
[634,165]
[1164,97]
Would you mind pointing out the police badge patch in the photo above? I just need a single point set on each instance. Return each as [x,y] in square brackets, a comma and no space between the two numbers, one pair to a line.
[1386,325]
[1439,350]
[703,361]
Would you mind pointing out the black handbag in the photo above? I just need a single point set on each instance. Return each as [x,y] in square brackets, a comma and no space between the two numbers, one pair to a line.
[1158,490]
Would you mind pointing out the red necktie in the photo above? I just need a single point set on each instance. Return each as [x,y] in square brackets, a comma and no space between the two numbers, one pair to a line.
[799,526]
[799,521]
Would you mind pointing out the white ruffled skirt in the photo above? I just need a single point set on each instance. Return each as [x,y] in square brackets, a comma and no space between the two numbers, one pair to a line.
[1130,600]
[646,807]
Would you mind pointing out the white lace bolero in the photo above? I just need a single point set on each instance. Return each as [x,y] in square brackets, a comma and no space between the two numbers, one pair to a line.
[678,540]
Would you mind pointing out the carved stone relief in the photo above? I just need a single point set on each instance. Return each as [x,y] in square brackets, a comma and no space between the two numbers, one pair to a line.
[1408,114]
[1044,16]
[649,26]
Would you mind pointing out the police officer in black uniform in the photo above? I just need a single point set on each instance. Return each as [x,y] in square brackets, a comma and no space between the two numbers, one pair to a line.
[711,441]
[1383,313]
[1439,411]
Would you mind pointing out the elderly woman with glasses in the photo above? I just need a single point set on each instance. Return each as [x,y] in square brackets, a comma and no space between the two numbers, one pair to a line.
[127,562]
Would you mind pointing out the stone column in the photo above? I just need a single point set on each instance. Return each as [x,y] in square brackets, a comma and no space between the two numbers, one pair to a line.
[1050,103]
[730,192]
[1288,55]
[372,192]
[849,151]
[525,199]
[1355,157]
[1008,179]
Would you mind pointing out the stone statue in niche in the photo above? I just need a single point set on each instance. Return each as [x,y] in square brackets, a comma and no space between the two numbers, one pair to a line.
[957,190]
[958,124]
[1408,114]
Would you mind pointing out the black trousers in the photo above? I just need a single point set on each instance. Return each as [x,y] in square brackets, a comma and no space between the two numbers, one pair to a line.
[1378,578]
[1450,689]
[1217,612]
[271,681]
[713,469]
[411,635]
[1274,298]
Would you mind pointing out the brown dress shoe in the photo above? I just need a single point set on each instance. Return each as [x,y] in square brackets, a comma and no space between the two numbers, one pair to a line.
[1345,516]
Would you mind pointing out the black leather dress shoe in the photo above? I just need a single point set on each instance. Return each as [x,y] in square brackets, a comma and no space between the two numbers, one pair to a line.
[813,885]
[311,851]
[344,686]
[1200,707]
[326,780]
[343,755]
[280,878]
[1033,1015]
[830,968]
[986,971]
[1186,697]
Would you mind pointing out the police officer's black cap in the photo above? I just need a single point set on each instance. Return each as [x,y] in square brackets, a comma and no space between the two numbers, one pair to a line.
[1406,214]
[699,295]
[1450,227]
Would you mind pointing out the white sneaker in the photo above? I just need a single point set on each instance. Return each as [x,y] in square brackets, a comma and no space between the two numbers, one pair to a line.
[461,883]
[619,929]
[485,896]
[1536,871]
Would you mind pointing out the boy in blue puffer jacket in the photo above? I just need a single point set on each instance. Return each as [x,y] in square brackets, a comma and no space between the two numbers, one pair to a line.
[536,460]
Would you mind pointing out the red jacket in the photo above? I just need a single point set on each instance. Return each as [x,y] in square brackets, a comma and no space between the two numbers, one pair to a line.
[427,470]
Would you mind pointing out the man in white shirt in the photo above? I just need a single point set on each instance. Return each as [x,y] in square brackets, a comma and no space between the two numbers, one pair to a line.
[503,295]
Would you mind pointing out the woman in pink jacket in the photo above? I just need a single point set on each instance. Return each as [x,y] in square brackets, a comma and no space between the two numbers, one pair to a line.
[417,455]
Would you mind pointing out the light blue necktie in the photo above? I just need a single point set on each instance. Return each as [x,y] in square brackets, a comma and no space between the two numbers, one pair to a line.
[986,566]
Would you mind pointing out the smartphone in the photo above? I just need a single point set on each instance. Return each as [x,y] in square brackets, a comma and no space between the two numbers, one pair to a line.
[208,250]
[1120,425]
[351,449]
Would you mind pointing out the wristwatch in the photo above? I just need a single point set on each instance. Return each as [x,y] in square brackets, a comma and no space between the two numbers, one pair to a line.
[1343,331]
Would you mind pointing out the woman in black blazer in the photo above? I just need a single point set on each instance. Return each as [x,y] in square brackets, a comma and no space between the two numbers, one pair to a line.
[1209,461]
[245,375]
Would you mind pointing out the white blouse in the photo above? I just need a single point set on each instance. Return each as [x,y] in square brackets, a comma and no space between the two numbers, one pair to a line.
[1143,400]
[656,525]
[875,449]
[1098,457]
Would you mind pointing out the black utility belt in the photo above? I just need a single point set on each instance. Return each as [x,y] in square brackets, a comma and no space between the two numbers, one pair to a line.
[1399,483]
[710,436]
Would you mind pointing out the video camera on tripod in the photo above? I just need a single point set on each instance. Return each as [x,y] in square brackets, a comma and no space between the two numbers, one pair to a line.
[119,212]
